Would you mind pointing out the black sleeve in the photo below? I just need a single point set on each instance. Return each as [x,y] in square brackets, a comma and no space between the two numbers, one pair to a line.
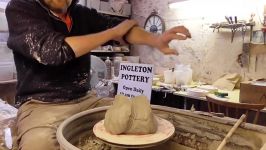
[102,22]
[96,22]
[31,34]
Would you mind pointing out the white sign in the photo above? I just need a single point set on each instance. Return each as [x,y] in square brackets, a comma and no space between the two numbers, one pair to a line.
[135,79]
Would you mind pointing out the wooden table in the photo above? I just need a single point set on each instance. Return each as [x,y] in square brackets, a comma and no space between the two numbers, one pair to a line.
[182,100]
[233,96]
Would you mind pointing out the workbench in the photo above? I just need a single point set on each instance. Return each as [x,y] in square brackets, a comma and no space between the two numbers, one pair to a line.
[181,100]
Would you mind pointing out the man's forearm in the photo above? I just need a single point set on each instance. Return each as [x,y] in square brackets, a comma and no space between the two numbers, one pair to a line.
[138,35]
[82,45]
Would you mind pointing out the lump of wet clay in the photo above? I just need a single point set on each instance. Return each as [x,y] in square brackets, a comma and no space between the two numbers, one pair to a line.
[130,116]
[142,120]
[118,115]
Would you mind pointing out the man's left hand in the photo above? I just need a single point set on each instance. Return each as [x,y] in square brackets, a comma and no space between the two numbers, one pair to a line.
[175,33]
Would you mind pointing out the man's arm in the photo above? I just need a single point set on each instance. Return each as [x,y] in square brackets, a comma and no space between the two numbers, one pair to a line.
[138,35]
[134,34]
[84,44]
[33,35]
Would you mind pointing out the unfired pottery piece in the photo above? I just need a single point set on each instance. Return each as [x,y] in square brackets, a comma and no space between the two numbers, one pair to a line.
[164,132]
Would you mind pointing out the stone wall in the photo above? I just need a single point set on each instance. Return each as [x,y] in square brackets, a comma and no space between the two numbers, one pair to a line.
[210,54]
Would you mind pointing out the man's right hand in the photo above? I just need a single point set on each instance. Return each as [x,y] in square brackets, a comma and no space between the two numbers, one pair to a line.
[123,28]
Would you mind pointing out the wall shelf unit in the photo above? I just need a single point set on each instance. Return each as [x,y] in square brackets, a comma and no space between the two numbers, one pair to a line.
[113,9]
[234,28]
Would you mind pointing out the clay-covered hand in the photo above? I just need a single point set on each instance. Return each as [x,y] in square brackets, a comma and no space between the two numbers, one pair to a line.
[175,33]
[123,28]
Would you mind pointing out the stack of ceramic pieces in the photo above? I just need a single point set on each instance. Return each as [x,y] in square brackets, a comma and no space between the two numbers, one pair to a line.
[196,92]
[209,88]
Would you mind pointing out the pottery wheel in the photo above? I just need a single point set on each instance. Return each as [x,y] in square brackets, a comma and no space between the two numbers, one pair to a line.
[164,132]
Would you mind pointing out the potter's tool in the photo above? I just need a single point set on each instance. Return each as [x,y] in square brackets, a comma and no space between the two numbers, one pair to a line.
[227,19]
[164,132]
[229,134]
[221,94]
[231,20]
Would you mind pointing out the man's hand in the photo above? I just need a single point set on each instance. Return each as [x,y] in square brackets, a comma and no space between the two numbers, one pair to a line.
[176,33]
[123,28]
[138,35]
